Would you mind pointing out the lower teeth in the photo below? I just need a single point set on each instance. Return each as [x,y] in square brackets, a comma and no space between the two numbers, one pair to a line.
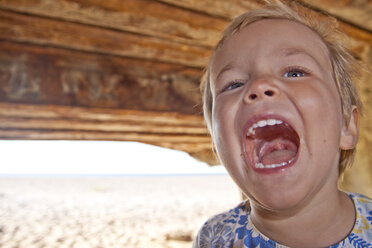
[262,166]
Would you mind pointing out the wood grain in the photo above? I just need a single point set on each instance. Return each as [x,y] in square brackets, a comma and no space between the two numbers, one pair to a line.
[37,75]
[47,32]
[170,130]
[220,8]
[145,17]
[358,13]
[99,119]
[182,31]
[355,12]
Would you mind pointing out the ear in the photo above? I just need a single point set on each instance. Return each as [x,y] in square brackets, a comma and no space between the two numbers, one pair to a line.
[349,133]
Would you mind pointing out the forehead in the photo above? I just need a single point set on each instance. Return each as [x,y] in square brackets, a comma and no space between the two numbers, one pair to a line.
[268,38]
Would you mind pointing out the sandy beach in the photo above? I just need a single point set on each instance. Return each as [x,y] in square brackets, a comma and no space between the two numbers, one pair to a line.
[118,211]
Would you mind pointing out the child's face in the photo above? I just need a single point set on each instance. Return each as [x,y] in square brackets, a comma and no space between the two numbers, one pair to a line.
[277,74]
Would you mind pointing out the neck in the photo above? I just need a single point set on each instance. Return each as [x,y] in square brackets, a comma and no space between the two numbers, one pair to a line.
[322,221]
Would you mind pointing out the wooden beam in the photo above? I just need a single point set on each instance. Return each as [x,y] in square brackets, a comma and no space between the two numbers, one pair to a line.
[38,75]
[22,116]
[20,121]
[47,32]
[218,8]
[170,130]
[171,141]
[347,12]
[147,17]
[358,13]
[197,147]
[98,27]
[191,145]
[84,125]
[12,110]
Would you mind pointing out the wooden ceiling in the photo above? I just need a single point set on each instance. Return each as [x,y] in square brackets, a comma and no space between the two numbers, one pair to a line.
[129,70]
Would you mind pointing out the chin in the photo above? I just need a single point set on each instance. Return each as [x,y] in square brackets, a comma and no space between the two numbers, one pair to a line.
[282,201]
[276,197]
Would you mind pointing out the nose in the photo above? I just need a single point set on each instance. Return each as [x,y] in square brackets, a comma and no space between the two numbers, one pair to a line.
[261,89]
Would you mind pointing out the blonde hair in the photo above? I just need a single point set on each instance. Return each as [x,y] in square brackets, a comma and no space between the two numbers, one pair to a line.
[345,66]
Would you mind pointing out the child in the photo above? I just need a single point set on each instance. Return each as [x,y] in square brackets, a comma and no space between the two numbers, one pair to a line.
[283,113]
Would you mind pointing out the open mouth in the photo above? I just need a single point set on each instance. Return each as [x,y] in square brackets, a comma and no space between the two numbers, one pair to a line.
[271,144]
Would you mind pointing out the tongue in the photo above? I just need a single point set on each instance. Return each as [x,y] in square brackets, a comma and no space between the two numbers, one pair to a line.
[276,151]
[277,157]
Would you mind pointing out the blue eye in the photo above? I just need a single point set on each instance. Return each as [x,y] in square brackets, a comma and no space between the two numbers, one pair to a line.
[295,73]
[234,85]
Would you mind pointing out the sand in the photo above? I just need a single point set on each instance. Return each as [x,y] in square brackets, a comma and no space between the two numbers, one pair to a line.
[150,211]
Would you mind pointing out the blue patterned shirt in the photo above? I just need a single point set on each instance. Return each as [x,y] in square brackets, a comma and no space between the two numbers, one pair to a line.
[234,229]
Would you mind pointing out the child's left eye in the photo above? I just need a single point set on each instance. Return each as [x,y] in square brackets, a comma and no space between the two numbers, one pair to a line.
[291,73]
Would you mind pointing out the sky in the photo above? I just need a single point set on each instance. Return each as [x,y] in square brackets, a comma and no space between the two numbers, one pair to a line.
[96,157]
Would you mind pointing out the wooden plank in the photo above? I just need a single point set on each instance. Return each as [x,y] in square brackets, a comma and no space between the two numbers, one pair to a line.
[101,126]
[99,114]
[220,8]
[21,116]
[171,130]
[186,142]
[48,32]
[148,17]
[358,13]
[37,75]
[197,147]
[230,9]
[357,34]
[94,39]
[201,142]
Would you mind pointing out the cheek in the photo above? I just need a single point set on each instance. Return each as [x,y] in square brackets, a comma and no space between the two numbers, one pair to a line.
[220,126]
[321,111]
[225,136]
[320,99]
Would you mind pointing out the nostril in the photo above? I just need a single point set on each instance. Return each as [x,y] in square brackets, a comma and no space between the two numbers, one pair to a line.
[269,93]
[252,96]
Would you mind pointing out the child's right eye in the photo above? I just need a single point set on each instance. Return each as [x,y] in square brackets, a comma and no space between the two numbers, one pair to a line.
[233,85]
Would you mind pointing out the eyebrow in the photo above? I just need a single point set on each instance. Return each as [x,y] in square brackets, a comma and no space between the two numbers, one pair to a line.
[227,67]
[296,51]
[291,51]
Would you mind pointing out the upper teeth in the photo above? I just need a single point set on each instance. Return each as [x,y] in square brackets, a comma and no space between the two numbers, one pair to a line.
[262,123]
